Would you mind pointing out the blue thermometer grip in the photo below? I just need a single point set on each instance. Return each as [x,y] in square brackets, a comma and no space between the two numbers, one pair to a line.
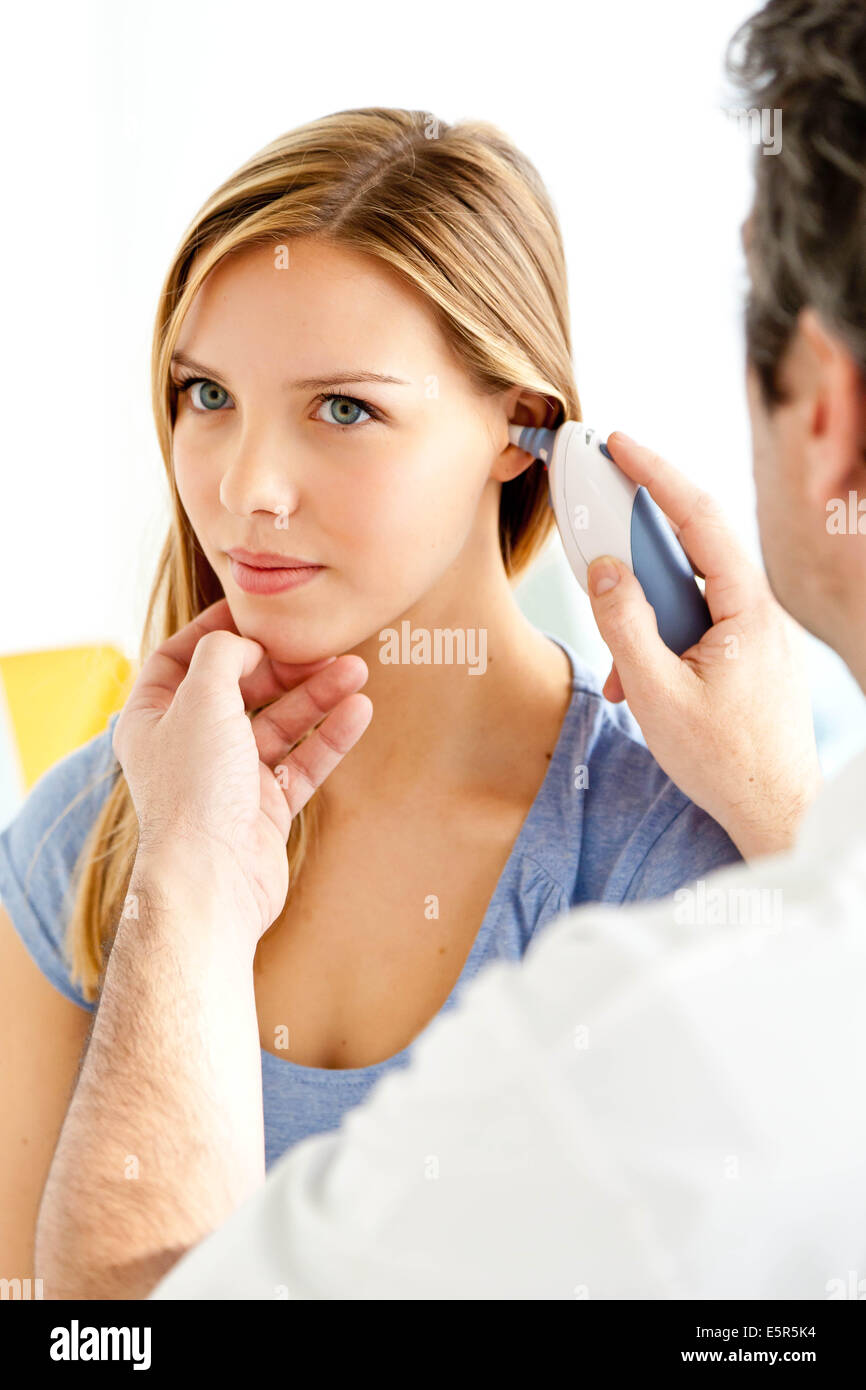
[662,568]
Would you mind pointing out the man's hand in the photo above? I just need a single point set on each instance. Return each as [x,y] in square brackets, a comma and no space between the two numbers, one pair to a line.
[204,775]
[730,721]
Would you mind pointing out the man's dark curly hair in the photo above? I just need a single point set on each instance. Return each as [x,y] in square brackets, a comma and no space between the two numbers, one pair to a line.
[806,234]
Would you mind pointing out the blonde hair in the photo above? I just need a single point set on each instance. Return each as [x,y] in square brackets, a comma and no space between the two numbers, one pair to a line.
[464,217]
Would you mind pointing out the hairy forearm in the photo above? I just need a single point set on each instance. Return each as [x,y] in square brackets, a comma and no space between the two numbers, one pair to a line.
[164,1136]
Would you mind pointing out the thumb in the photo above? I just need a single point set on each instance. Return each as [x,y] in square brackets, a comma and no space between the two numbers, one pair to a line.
[627,622]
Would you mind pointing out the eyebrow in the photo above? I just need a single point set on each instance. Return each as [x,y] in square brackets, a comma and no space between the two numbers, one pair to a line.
[304,383]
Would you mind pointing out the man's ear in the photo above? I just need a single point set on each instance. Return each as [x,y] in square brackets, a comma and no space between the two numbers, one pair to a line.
[520,407]
[835,416]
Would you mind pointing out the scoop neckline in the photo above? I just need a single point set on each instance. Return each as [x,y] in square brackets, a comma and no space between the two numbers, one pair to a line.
[322,1075]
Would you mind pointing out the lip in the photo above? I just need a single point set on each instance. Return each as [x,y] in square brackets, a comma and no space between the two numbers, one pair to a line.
[264,572]
[271,581]
[269,560]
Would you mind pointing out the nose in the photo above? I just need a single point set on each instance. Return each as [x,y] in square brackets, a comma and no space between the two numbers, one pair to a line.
[261,476]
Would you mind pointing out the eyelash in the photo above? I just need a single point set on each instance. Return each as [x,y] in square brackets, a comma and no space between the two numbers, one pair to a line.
[184,384]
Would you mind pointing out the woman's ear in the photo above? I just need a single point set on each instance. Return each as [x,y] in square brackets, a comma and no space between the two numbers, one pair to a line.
[530,408]
[520,407]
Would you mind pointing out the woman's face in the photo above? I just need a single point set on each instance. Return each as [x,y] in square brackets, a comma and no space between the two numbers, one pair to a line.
[391,486]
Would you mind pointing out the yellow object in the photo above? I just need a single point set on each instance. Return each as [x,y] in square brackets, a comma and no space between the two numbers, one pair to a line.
[58,700]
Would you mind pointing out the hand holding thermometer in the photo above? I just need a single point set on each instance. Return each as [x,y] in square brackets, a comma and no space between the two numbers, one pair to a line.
[599,511]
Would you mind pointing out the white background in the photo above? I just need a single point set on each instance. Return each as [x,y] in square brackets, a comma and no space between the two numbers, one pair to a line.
[119,120]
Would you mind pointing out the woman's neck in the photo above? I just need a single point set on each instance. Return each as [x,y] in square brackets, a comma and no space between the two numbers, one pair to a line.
[453,682]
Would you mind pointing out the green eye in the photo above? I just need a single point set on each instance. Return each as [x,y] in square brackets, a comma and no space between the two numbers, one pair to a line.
[204,395]
[344,410]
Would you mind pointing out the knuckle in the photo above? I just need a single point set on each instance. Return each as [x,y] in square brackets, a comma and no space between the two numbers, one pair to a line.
[705,509]
[622,624]
[299,774]
[326,735]
[702,508]
[654,464]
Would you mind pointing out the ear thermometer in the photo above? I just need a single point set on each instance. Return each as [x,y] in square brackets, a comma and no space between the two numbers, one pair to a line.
[600,511]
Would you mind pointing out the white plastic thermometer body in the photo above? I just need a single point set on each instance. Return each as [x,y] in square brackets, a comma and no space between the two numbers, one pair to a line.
[599,511]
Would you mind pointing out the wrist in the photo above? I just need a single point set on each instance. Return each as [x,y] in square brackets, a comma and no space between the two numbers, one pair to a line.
[762,834]
[755,842]
[197,884]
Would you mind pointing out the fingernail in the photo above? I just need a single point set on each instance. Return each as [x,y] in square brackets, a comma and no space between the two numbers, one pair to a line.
[623,438]
[603,576]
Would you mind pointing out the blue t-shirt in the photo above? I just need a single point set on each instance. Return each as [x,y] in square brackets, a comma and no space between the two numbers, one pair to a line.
[607,826]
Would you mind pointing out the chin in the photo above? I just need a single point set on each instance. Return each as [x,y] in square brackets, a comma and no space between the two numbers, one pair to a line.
[291,642]
[293,650]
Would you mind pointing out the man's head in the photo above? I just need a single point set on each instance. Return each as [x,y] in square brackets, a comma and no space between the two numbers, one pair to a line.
[805,241]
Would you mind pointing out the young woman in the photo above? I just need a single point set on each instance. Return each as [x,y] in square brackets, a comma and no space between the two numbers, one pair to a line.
[347,329]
